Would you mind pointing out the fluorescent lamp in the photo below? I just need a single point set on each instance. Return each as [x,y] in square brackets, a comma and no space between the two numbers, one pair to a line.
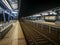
[44,13]
[36,14]
[14,12]
[54,13]
[7,4]
[51,13]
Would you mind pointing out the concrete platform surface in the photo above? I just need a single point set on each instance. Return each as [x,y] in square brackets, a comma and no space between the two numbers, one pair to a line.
[15,36]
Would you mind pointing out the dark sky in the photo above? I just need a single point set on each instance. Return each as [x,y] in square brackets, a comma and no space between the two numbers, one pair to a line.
[29,7]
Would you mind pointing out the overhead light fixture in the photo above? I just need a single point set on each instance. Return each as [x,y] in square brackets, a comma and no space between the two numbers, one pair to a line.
[7,4]
[14,12]
[45,13]
[37,15]
[53,13]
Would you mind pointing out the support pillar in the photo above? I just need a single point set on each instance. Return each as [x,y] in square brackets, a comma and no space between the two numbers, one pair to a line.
[4,17]
[8,18]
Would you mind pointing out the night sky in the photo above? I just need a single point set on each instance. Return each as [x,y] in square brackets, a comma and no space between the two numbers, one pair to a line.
[30,7]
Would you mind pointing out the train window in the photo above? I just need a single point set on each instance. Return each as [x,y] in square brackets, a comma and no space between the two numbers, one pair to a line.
[50,18]
[46,18]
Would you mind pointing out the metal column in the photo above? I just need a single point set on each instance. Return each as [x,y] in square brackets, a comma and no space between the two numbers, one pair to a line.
[4,17]
[9,18]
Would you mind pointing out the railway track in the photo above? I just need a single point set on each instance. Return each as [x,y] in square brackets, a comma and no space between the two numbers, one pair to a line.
[33,37]
[38,29]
